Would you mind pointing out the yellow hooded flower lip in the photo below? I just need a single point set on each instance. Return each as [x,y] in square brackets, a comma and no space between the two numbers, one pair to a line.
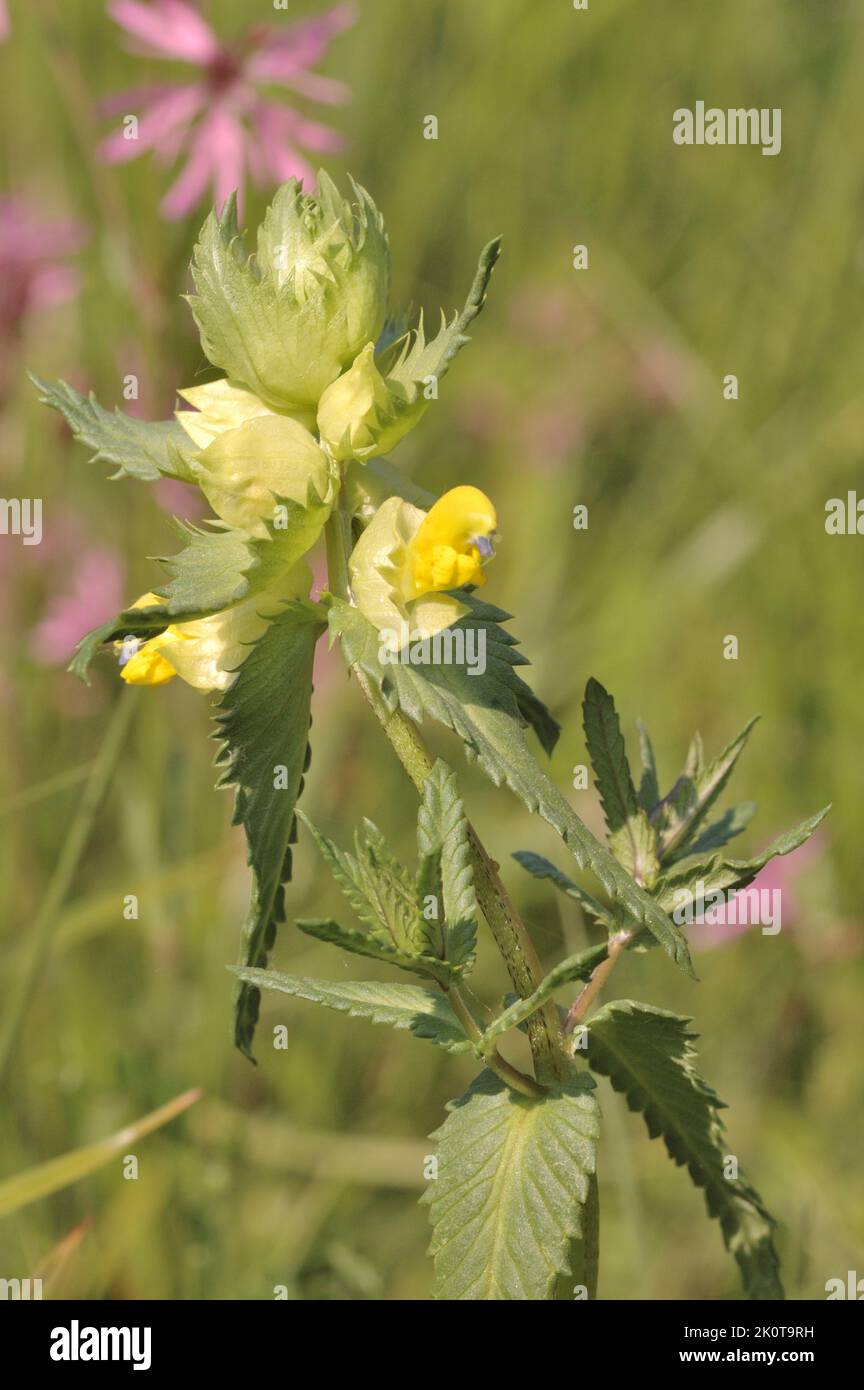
[452,543]
[406,558]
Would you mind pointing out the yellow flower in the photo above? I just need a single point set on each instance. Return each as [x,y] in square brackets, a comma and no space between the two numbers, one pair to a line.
[406,559]
[207,652]
[452,542]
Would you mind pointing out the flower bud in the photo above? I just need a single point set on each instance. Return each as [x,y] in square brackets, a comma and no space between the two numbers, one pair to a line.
[287,323]
[219,406]
[361,415]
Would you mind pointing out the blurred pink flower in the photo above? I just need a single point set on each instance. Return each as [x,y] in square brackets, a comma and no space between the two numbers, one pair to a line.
[4,20]
[96,593]
[219,122]
[32,273]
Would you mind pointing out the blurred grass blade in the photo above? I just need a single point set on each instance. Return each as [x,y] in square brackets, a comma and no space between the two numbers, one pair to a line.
[52,1268]
[57,1173]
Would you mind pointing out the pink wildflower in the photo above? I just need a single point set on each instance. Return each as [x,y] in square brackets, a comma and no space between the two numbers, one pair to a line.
[32,273]
[94,595]
[219,122]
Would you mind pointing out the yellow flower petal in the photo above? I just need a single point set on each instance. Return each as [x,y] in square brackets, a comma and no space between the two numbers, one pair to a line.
[148,666]
[444,553]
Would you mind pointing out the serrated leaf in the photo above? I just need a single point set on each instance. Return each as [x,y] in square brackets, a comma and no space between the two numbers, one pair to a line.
[649,790]
[544,868]
[390,890]
[481,710]
[630,835]
[263,724]
[577,967]
[694,763]
[680,814]
[137,448]
[442,842]
[647,1055]
[715,873]
[362,943]
[513,1177]
[411,360]
[715,836]
[420,1011]
[387,909]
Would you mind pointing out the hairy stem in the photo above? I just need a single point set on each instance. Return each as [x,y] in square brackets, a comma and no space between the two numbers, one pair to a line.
[515,1078]
[589,991]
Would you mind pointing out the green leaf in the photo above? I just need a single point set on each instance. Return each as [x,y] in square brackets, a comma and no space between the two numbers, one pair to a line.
[381,902]
[362,943]
[482,711]
[647,1055]
[263,725]
[138,449]
[630,835]
[384,899]
[714,873]
[578,967]
[680,814]
[513,1177]
[649,790]
[694,763]
[425,1014]
[730,824]
[543,868]
[442,841]
[411,359]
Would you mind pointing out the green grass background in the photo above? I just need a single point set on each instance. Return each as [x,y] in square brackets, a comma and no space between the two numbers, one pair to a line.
[600,387]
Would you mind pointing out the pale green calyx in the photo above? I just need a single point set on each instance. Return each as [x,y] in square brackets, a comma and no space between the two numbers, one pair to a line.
[269,475]
[288,321]
[361,415]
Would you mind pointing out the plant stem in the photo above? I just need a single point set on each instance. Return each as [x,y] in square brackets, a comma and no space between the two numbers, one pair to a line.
[64,873]
[515,1078]
[585,998]
[511,935]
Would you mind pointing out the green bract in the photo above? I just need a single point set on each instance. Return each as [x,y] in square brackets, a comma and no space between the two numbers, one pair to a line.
[288,321]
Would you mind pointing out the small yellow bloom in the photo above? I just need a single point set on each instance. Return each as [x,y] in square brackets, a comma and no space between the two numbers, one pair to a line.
[142,663]
[406,558]
[360,416]
[452,542]
[207,652]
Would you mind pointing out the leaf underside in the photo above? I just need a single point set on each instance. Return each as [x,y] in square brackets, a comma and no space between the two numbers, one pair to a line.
[512,1179]
[421,1011]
